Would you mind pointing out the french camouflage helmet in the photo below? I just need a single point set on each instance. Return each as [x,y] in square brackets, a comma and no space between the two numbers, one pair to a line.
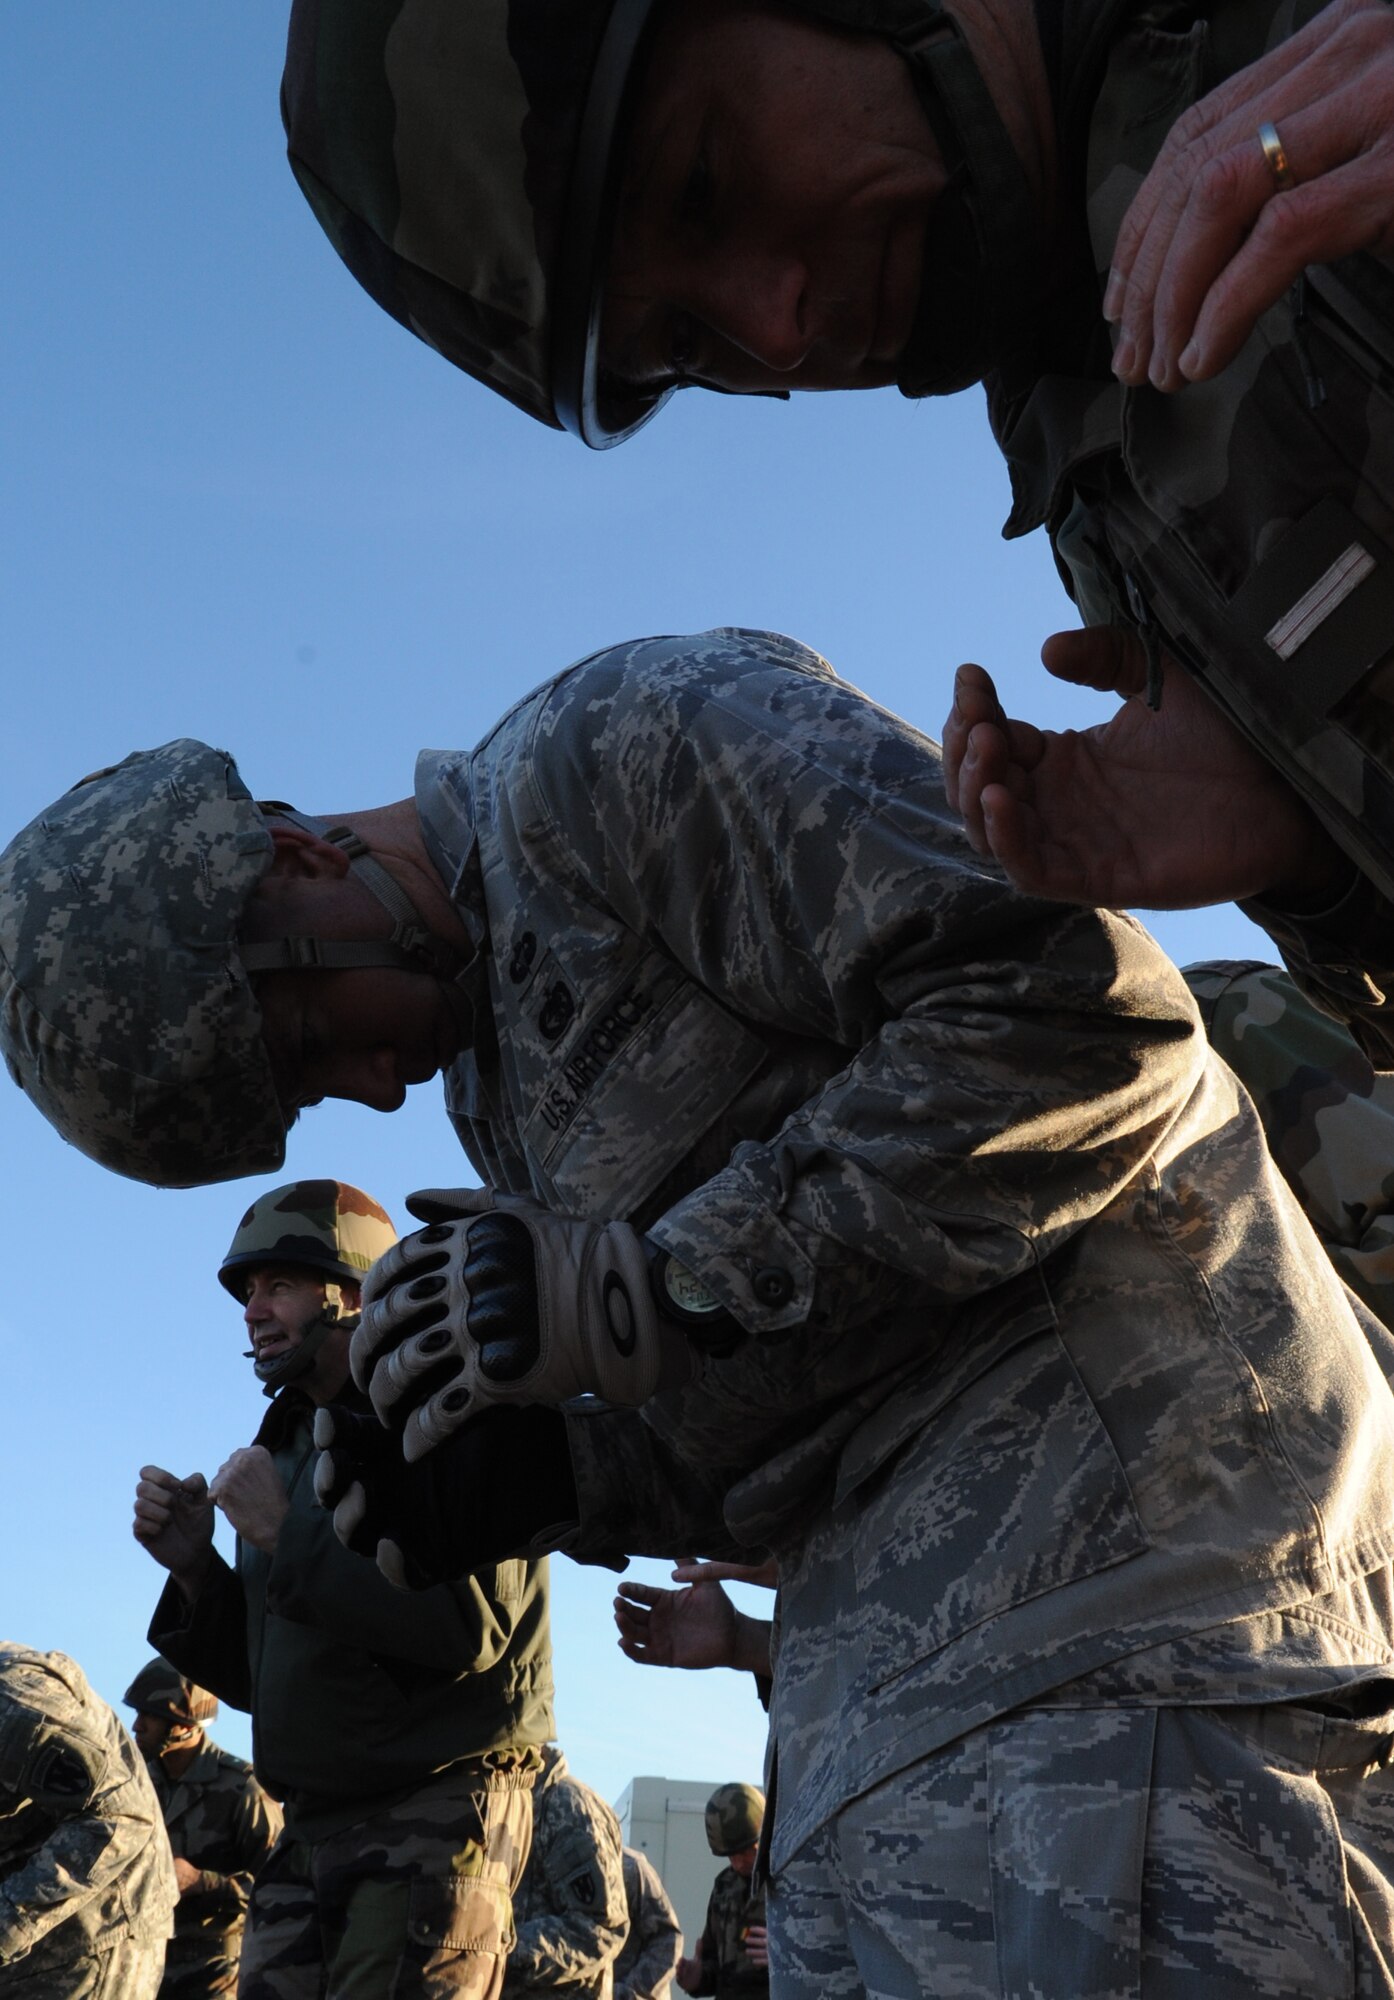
[325,1227]
[465,157]
[126,1008]
[161,1690]
[734,1816]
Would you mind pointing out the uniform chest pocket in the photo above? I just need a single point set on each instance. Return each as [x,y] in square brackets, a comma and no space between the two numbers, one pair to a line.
[628,1094]
[1011,1490]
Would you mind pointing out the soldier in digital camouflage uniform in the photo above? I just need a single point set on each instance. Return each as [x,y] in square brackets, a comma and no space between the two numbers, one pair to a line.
[221,1827]
[725,1963]
[904,1226]
[399,1732]
[87,1883]
[653,1944]
[571,1912]
[587,207]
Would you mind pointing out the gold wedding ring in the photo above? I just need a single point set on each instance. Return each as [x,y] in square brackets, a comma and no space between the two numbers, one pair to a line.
[1275,153]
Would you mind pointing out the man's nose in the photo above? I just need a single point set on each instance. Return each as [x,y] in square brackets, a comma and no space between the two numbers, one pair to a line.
[759,303]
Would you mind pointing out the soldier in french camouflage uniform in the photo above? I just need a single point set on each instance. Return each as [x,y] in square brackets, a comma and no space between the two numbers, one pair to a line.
[87,1883]
[900,1224]
[399,1733]
[221,1827]
[571,1912]
[588,208]
[653,1944]
[731,1958]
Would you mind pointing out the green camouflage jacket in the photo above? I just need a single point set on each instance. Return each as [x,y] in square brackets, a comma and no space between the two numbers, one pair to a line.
[358,1693]
[1031,1314]
[219,1819]
[1328,1116]
[1246,523]
[644,1968]
[726,1968]
[569,1910]
[84,1863]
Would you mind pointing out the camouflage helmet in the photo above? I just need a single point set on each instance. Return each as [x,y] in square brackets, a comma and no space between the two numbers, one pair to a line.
[126,1007]
[330,1228]
[124,1013]
[327,1227]
[459,155]
[734,1816]
[161,1690]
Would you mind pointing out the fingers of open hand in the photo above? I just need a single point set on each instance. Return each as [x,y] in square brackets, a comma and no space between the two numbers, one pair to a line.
[1181,310]
[975,701]
[1107,657]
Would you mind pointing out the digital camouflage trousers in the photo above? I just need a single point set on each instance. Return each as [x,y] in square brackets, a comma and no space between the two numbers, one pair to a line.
[1106,1854]
[128,1970]
[415,1903]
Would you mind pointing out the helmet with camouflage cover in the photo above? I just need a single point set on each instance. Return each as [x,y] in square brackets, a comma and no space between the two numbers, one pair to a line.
[464,157]
[734,1816]
[457,155]
[126,1008]
[328,1228]
[161,1690]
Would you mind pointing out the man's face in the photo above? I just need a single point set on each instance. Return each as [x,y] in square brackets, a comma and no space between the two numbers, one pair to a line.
[743,1861]
[150,1732]
[282,1302]
[359,1035]
[777,188]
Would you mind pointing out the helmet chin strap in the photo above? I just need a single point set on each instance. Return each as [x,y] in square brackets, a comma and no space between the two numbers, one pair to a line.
[411,946]
[298,1360]
[983,255]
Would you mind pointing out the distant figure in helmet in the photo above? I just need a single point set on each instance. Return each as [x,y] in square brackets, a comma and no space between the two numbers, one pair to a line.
[399,1732]
[731,1956]
[221,1827]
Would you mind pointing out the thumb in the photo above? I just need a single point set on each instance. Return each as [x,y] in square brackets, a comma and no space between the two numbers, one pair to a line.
[449,1204]
[1106,657]
[195,1487]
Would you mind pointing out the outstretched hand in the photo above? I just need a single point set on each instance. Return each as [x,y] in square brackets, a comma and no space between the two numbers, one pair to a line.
[1211,241]
[1156,809]
[693,1628]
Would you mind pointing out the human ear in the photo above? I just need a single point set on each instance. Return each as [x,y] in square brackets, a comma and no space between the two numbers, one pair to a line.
[299,853]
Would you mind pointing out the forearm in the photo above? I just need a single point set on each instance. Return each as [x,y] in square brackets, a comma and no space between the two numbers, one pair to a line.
[205,1636]
[1342,956]
[315,1581]
[79,1860]
[635,1496]
[564,1951]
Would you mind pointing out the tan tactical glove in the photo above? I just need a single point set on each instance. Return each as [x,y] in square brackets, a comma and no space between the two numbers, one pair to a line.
[499,1300]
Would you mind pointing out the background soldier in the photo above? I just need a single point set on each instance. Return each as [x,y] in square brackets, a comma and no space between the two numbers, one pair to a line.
[87,1883]
[221,1827]
[732,1957]
[570,1909]
[397,1731]
[649,1954]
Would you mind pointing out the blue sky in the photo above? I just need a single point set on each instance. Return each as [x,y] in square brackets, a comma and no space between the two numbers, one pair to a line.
[239,503]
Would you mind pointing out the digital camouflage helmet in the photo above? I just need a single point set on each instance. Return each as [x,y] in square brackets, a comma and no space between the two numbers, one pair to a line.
[126,1007]
[734,1816]
[162,1691]
[464,157]
[328,1228]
